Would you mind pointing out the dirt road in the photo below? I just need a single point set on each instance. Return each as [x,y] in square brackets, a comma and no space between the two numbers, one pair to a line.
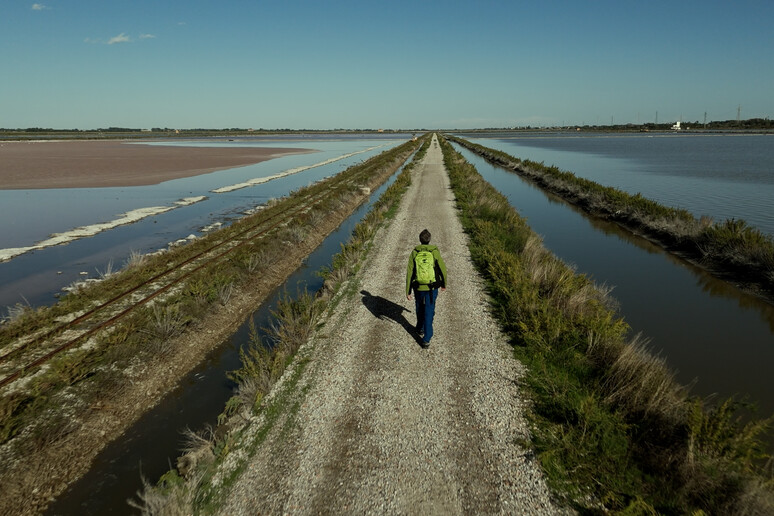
[384,426]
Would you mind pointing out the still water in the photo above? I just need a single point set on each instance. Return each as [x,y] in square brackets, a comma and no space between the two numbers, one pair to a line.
[720,175]
[150,447]
[709,332]
[30,216]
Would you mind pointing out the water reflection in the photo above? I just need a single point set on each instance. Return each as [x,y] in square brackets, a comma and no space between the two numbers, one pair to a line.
[721,175]
[709,331]
[32,215]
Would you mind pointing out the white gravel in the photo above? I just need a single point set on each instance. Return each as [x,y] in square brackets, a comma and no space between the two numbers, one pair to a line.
[383,426]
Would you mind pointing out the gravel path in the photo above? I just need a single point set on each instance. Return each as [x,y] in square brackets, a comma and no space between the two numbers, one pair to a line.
[384,426]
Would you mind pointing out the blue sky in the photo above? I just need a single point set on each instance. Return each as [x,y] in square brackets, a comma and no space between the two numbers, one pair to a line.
[389,64]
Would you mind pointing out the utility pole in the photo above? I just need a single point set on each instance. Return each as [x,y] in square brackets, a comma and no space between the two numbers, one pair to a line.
[705,119]
[738,114]
[656,117]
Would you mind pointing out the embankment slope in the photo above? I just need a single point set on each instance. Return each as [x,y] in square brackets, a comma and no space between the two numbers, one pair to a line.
[376,424]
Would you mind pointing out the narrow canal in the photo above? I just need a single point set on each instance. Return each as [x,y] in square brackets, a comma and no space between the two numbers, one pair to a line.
[151,446]
[713,335]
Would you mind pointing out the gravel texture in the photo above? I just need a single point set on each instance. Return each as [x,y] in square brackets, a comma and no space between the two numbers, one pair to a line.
[383,426]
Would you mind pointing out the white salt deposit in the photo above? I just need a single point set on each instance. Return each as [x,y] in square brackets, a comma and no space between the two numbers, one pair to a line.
[87,231]
[211,227]
[288,172]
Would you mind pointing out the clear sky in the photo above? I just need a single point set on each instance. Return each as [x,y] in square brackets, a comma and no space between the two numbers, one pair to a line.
[381,64]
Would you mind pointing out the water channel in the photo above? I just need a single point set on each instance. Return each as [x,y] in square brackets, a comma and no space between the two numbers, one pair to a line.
[712,334]
[151,446]
[30,216]
[720,175]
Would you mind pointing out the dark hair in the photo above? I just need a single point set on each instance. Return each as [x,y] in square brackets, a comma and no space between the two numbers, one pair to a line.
[424,237]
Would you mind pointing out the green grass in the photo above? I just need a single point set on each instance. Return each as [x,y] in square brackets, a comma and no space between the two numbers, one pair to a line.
[612,429]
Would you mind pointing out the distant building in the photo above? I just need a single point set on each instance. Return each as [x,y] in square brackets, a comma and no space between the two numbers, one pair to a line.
[676,127]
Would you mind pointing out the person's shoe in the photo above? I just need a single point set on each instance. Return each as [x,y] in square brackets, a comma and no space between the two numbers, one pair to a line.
[420,331]
[425,345]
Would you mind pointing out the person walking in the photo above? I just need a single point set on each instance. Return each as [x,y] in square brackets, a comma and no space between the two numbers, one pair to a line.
[425,274]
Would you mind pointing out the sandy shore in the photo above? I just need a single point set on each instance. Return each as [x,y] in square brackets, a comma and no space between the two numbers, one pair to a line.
[92,164]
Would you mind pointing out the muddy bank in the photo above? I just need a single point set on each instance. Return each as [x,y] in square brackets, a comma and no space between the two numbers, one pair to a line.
[95,164]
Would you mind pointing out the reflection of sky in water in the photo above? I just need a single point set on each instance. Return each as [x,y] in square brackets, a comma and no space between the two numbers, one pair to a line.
[32,215]
[722,176]
[706,329]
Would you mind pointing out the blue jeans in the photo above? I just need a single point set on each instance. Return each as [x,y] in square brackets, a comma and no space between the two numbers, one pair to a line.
[425,304]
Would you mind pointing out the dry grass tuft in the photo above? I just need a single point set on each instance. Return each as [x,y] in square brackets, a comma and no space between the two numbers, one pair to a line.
[135,259]
[336,277]
[250,391]
[198,449]
[17,311]
[295,234]
[173,498]
[165,323]
[224,293]
[757,499]
[107,272]
[602,349]
[640,382]
[293,322]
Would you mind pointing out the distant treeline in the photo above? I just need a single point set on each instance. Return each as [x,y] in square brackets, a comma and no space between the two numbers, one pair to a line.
[717,125]
[751,124]
[232,130]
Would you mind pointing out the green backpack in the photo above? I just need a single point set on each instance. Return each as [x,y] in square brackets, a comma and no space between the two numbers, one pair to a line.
[424,264]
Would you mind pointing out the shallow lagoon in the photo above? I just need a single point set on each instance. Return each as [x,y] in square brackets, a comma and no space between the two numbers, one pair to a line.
[33,215]
[720,175]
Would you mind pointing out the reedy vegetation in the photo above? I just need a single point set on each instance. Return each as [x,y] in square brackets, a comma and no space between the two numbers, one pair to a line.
[729,249]
[202,478]
[612,429]
[31,417]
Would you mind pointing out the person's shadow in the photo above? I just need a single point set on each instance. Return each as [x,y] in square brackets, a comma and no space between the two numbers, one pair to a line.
[385,309]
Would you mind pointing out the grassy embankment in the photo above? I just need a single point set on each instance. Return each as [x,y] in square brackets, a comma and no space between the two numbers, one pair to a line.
[612,429]
[731,249]
[214,458]
[46,408]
